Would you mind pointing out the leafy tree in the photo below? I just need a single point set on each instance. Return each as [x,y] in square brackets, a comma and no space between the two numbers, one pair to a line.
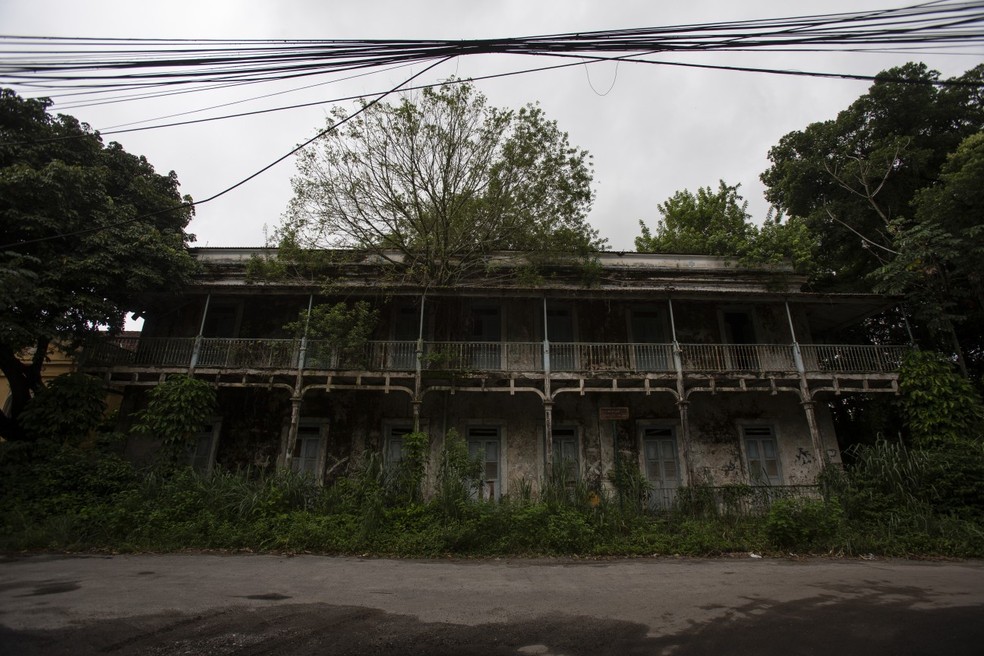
[343,325]
[852,177]
[707,223]
[873,187]
[67,410]
[939,252]
[436,183]
[87,231]
[176,411]
[941,408]
[718,223]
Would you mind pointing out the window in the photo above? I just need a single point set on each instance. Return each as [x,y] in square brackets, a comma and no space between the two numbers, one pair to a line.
[662,467]
[484,443]
[565,452]
[762,455]
[306,457]
[200,455]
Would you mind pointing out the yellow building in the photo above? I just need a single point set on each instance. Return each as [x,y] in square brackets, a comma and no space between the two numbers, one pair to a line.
[57,362]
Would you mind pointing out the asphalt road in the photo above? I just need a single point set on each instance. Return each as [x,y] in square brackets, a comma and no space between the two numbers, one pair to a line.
[240,604]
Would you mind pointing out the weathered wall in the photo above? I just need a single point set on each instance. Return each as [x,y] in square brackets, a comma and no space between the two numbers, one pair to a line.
[716,422]
[254,420]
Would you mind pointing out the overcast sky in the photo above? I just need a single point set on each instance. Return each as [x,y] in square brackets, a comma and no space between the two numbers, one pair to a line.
[652,130]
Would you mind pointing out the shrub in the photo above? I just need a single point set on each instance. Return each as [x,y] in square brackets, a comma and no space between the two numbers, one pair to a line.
[68,409]
[941,406]
[177,410]
[458,476]
[803,524]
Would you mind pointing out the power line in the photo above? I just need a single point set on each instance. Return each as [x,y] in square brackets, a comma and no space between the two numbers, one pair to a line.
[112,64]
[108,67]
[238,184]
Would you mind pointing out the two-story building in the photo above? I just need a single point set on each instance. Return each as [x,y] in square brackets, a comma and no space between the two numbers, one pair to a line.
[691,368]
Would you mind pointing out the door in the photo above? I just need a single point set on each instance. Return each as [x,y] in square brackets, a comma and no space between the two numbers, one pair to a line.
[200,454]
[560,334]
[395,449]
[221,325]
[565,453]
[484,444]
[485,348]
[649,335]
[402,352]
[662,466]
[307,450]
[739,331]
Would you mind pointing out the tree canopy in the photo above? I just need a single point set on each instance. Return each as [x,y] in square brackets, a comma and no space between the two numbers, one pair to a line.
[87,231]
[891,191]
[438,181]
[853,177]
[718,223]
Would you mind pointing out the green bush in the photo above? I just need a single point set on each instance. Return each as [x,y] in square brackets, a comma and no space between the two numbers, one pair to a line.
[69,409]
[891,501]
[803,524]
[175,413]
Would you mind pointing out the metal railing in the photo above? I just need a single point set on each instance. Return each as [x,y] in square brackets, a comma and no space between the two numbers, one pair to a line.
[617,357]
[738,500]
[838,358]
[483,356]
[225,353]
[575,357]
[753,358]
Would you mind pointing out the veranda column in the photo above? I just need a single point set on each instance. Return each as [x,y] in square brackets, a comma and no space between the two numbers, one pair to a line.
[287,447]
[419,368]
[197,348]
[547,399]
[806,396]
[683,405]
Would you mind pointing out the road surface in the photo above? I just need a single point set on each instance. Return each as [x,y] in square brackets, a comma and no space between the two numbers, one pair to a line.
[245,604]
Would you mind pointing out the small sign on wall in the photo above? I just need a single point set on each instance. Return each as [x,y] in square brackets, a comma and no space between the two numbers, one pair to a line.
[616,413]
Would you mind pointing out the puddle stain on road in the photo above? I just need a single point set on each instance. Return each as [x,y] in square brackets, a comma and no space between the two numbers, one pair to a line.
[870,622]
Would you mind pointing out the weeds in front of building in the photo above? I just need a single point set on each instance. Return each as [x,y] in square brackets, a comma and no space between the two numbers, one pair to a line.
[80,497]
[70,490]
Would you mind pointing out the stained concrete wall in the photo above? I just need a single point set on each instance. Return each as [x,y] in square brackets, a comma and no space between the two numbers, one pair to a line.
[357,423]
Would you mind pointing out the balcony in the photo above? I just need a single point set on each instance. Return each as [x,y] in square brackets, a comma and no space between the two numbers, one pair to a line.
[577,358]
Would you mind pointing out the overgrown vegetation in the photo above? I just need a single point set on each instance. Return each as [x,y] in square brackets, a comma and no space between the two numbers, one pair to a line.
[68,497]
[72,490]
[175,413]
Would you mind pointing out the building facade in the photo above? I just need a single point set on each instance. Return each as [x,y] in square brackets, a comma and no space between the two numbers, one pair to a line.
[689,368]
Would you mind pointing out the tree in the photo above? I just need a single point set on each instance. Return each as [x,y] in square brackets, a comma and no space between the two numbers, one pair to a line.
[436,183]
[852,177]
[707,223]
[718,223]
[88,230]
[872,187]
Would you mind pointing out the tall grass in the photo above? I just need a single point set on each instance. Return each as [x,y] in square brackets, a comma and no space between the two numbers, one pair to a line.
[889,501]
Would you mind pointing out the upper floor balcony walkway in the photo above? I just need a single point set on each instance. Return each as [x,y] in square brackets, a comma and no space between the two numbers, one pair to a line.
[535,359]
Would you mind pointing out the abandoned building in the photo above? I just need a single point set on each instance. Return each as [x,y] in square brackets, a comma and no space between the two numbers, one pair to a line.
[691,368]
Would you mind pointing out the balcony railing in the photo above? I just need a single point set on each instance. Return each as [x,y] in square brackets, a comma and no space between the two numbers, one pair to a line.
[833,358]
[753,358]
[507,357]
